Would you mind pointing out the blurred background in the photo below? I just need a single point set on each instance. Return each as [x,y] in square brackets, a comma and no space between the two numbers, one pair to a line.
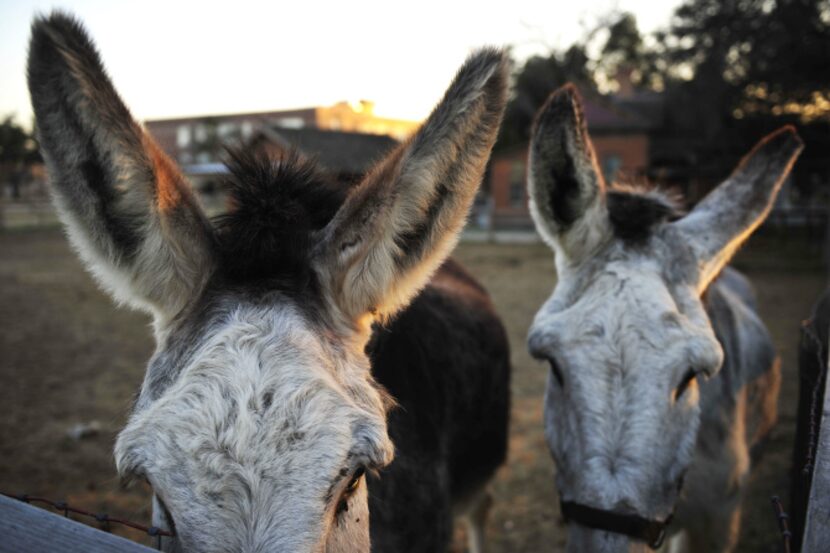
[675,93]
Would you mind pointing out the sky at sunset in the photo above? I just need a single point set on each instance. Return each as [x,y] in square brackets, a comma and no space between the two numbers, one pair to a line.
[172,58]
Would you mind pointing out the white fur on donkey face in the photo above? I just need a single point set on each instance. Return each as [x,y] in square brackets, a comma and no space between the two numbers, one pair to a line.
[252,447]
[251,422]
[625,330]
[622,343]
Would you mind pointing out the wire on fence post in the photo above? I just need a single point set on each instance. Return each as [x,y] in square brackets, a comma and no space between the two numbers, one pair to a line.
[102,518]
[783,523]
[155,531]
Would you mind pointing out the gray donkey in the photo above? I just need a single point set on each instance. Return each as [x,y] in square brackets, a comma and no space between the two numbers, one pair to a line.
[659,367]
[259,416]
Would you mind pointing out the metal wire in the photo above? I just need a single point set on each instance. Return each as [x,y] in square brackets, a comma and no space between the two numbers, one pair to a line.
[103,518]
[815,420]
[783,523]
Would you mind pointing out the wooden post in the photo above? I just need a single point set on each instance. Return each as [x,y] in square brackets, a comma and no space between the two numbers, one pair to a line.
[27,528]
[817,526]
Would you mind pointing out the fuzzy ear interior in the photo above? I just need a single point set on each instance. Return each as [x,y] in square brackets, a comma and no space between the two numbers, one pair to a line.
[128,211]
[728,215]
[565,185]
[402,221]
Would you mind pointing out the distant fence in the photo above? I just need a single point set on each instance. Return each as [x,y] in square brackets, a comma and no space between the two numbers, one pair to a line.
[799,216]
[812,220]
[24,528]
[28,213]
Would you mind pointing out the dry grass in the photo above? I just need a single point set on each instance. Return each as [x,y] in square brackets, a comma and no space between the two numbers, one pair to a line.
[68,356]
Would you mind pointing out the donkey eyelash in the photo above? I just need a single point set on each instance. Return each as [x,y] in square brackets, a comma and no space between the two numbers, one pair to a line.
[354,483]
[684,384]
[557,372]
[349,490]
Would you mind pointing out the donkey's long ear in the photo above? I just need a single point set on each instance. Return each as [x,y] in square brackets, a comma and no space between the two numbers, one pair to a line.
[128,211]
[725,218]
[402,221]
[565,186]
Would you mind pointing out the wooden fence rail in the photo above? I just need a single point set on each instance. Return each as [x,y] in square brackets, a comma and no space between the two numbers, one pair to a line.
[24,528]
[817,527]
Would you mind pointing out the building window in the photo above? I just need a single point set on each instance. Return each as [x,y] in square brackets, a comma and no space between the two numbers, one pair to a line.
[203,157]
[517,184]
[611,164]
[200,135]
[247,129]
[183,136]
[291,123]
[226,130]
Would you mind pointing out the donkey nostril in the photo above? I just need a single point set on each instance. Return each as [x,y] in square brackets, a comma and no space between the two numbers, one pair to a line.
[538,345]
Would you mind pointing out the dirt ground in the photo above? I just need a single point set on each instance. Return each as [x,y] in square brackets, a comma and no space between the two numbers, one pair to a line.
[68,356]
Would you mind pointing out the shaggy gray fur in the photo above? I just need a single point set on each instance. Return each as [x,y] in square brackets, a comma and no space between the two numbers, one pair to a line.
[660,372]
[259,407]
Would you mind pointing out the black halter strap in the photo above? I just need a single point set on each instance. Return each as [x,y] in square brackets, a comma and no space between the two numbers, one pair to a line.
[653,532]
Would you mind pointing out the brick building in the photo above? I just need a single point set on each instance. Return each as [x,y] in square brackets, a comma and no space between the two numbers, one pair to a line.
[199,140]
[620,127]
[345,155]
[345,138]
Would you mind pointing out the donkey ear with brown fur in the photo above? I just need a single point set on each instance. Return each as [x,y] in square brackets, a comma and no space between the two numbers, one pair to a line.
[565,186]
[128,211]
[402,221]
[726,217]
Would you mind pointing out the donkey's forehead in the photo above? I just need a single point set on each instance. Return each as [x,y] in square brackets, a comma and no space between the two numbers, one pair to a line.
[263,389]
[250,357]
[603,284]
[270,343]
[224,320]
[660,270]
[623,302]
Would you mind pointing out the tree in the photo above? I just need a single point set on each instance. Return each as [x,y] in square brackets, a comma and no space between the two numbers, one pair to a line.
[621,47]
[625,52]
[18,148]
[772,52]
[15,143]
[533,82]
[729,70]
[740,68]
[789,68]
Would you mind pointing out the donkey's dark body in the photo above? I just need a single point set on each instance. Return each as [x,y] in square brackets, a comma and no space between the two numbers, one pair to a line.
[446,362]
[444,359]
[744,390]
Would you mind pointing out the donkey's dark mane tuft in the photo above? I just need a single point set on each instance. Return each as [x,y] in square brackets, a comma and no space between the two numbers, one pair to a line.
[276,204]
[635,211]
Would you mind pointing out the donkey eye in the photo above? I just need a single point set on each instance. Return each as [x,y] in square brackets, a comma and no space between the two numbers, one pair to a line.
[557,372]
[684,384]
[349,490]
[354,483]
